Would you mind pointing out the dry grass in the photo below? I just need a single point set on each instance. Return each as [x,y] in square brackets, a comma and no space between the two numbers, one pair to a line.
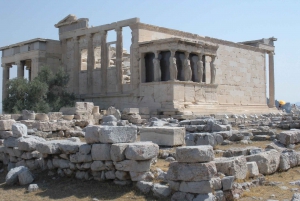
[70,189]
[261,144]
[280,194]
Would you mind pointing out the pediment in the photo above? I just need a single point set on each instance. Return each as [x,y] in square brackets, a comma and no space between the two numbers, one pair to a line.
[67,20]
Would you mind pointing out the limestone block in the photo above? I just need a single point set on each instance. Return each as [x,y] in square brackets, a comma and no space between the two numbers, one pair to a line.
[109,118]
[80,158]
[235,166]
[110,174]
[16,117]
[179,196]
[131,111]
[114,111]
[41,117]
[161,191]
[6,125]
[53,116]
[11,142]
[48,147]
[33,187]
[196,187]
[117,151]
[82,175]
[25,177]
[267,162]
[218,128]
[68,110]
[191,171]
[144,187]
[60,163]
[141,176]
[28,115]
[84,107]
[141,151]
[42,126]
[98,166]
[227,182]
[193,139]
[252,169]
[101,152]
[28,143]
[289,137]
[194,154]
[205,197]
[117,134]
[122,175]
[5,117]
[69,147]
[174,185]
[134,166]
[216,183]
[19,130]
[12,175]
[5,134]
[165,136]
[92,134]
[85,148]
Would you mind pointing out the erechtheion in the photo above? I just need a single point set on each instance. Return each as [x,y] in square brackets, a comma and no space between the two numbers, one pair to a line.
[172,72]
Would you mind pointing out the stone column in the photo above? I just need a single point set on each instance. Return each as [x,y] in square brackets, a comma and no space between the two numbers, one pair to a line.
[173,66]
[119,59]
[76,67]
[187,67]
[5,79]
[213,69]
[271,80]
[207,70]
[20,71]
[90,64]
[104,61]
[34,68]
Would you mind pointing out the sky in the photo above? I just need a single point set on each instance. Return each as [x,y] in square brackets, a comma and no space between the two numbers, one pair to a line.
[234,21]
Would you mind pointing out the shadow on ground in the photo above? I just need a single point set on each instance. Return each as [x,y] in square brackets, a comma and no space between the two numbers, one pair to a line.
[57,188]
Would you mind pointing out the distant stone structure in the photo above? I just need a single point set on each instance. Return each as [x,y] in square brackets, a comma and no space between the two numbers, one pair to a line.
[232,75]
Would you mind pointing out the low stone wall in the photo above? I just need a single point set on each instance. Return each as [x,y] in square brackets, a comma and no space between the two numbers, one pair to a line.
[110,153]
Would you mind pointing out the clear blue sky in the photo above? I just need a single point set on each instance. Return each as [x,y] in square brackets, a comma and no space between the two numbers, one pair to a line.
[228,20]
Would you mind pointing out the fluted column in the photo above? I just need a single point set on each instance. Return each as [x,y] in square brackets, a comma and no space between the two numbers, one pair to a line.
[104,61]
[20,70]
[5,79]
[76,67]
[271,80]
[90,64]
[213,70]
[119,59]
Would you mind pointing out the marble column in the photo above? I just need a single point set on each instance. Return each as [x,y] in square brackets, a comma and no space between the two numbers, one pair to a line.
[213,70]
[20,70]
[76,67]
[104,61]
[271,80]
[119,59]
[5,79]
[90,64]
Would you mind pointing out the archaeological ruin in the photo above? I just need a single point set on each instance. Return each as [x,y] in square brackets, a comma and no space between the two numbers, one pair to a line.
[169,71]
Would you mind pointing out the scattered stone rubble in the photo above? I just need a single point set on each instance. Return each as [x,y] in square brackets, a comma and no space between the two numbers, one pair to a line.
[104,146]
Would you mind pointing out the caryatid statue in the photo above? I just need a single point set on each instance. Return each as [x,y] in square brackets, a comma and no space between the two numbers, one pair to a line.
[200,68]
[157,70]
[213,69]
[187,68]
[173,67]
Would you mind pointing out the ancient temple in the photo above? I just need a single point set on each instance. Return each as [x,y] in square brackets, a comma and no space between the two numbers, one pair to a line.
[172,72]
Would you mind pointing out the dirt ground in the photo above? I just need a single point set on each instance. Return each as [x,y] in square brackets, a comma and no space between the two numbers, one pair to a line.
[70,189]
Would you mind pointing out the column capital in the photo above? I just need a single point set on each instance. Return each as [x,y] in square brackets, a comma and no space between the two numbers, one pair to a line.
[89,35]
[271,53]
[103,32]
[200,55]
[76,38]
[6,65]
[117,29]
[213,57]
[173,52]
[187,53]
